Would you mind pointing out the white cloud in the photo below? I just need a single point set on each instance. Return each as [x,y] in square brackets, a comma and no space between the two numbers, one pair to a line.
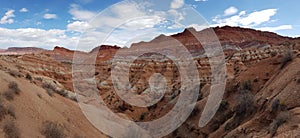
[127,16]
[179,16]
[176,4]
[199,27]
[256,18]
[50,16]
[201,0]
[32,37]
[79,14]
[23,10]
[230,11]
[246,20]
[38,23]
[7,18]
[78,26]
[143,23]
[277,28]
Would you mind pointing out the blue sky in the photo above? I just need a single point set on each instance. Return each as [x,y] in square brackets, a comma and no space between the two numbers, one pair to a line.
[41,23]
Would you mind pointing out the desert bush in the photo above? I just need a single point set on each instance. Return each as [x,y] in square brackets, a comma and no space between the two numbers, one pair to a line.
[281,118]
[74,98]
[39,95]
[245,104]
[243,107]
[15,73]
[14,87]
[9,95]
[247,85]
[62,92]
[142,117]
[39,79]
[3,111]
[222,115]
[48,86]
[273,54]
[255,80]
[275,105]
[11,130]
[78,136]
[50,92]
[195,111]
[52,130]
[28,77]
[286,59]
[11,111]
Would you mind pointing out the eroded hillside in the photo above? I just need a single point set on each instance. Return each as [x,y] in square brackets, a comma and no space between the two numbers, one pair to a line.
[260,100]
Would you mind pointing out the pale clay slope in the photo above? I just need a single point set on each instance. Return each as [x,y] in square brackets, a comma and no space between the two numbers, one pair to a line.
[31,111]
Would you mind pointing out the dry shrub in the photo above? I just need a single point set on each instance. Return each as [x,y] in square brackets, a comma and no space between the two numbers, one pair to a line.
[11,111]
[48,86]
[50,89]
[74,98]
[286,59]
[50,92]
[15,73]
[39,95]
[244,107]
[52,130]
[3,111]
[246,86]
[11,130]
[78,136]
[281,118]
[275,105]
[9,95]
[62,93]
[28,77]
[38,79]
[14,87]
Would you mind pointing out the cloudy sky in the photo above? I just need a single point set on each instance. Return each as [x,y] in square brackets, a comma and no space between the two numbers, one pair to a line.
[40,23]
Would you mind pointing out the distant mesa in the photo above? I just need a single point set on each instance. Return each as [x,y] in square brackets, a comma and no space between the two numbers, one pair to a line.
[21,50]
[228,36]
[104,47]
